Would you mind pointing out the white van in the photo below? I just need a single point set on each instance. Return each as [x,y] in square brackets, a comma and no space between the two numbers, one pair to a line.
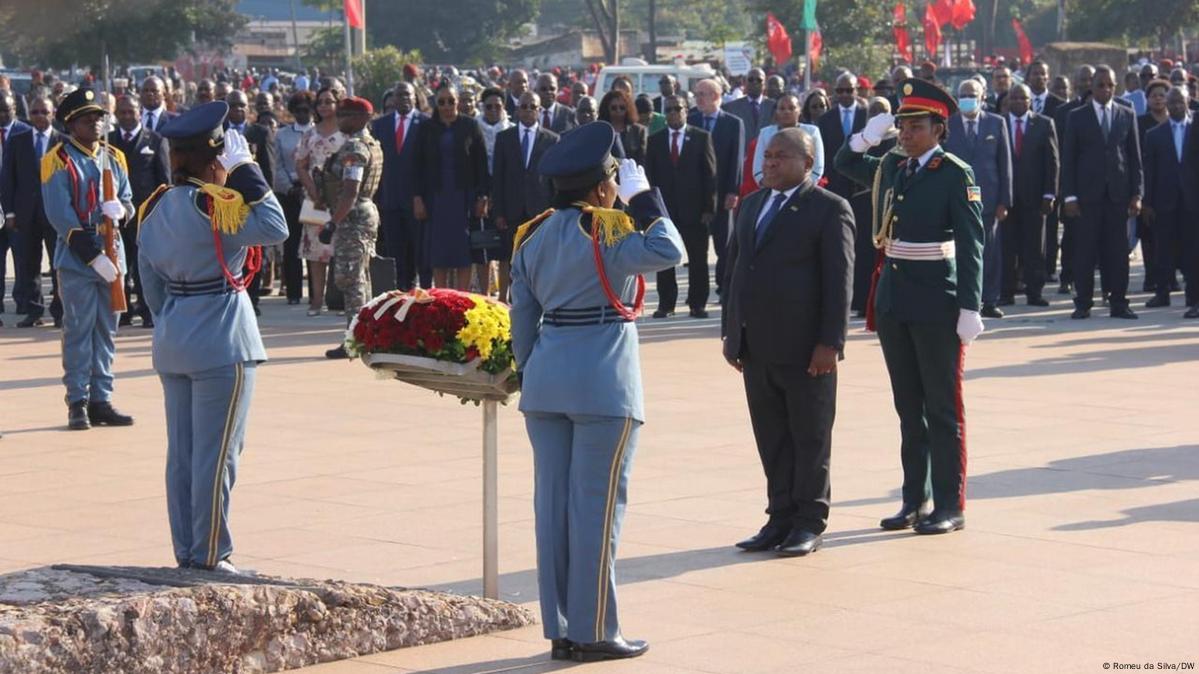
[645,77]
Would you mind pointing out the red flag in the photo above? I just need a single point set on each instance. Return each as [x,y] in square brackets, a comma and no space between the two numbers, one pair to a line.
[777,40]
[353,9]
[899,28]
[932,31]
[814,50]
[962,14]
[1026,52]
[942,11]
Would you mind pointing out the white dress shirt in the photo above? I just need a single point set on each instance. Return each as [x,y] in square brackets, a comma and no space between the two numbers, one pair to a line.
[532,133]
[769,200]
[150,117]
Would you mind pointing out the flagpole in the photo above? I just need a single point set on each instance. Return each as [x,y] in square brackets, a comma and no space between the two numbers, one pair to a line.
[807,51]
[349,55]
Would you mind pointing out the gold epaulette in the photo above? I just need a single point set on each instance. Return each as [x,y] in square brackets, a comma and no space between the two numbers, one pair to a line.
[229,210]
[52,162]
[613,225]
[524,231]
[151,201]
[120,157]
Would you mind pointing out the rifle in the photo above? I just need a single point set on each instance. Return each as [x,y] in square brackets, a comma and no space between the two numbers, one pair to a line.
[117,287]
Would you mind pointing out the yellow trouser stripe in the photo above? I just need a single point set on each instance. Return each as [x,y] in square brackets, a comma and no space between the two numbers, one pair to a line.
[219,476]
[601,590]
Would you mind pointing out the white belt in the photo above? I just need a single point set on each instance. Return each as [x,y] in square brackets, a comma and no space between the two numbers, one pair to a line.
[935,250]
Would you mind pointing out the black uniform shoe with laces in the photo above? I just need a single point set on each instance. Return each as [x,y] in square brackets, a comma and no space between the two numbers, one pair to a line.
[561,649]
[337,354]
[616,649]
[102,413]
[77,419]
[907,516]
[941,523]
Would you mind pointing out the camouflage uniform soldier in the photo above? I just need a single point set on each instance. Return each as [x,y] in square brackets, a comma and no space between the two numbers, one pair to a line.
[351,178]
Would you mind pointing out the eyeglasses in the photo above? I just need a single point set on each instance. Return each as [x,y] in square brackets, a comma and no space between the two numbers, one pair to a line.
[844,90]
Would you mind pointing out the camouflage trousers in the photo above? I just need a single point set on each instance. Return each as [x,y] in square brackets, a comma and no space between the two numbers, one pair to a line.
[353,247]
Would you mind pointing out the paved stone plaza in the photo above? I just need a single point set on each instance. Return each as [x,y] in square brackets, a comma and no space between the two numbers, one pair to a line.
[1081,547]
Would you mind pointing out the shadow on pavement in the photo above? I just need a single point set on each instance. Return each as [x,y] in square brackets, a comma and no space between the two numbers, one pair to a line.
[1178,511]
[530,665]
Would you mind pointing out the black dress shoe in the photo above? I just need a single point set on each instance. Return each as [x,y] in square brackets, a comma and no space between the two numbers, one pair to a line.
[102,413]
[907,516]
[1065,288]
[561,649]
[31,322]
[77,416]
[616,649]
[1038,302]
[991,311]
[1158,301]
[941,523]
[1005,301]
[1123,312]
[58,322]
[1193,312]
[1080,313]
[800,543]
[766,539]
[699,313]
[661,313]
[337,354]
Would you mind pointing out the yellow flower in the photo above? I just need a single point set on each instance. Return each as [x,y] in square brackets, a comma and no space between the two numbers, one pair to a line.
[486,324]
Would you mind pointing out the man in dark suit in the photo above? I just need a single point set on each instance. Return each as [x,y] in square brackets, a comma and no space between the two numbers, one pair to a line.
[1034,190]
[1171,201]
[153,99]
[980,139]
[10,126]
[753,109]
[148,158]
[728,140]
[25,216]
[681,162]
[1102,185]
[1045,103]
[518,191]
[1082,95]
[845,118]
[555,116]
[261,135]
[786,312]
[668,85]
[518,83]
[397,134]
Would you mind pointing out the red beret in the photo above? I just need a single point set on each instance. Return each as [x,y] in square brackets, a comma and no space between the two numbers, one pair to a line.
[355,104]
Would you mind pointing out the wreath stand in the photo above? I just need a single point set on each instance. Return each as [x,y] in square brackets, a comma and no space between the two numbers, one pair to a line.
[466,381]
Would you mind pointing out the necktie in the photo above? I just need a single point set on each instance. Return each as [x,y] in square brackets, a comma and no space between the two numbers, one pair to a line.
[1019,137]
[674,147]
[400,134]
[128,136]
[40,146]
[846,121]
[1038,104]
[524,146]
[150,121]
[754,107]
[971,132]
[708,122]
[1106,123]
[911,168]
[768,217]
[545,118]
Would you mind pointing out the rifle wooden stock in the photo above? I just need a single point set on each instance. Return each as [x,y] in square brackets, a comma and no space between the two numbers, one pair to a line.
[117,287]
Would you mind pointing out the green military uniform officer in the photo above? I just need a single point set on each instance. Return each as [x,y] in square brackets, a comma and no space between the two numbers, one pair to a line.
[351,178]
[926,297]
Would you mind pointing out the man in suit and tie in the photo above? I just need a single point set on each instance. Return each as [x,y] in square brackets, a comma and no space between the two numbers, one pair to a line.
[786,312]
[753,109]
[25,216]
[9,127]
[842,120]
[149,162]
[154,109]
[555,116]
[1102,187]
[981,140]
[728,141]
[1171,201]
[1082,95]
[519,193]
[518,83]
[668,85]
[1035,167]
[397,133]
[1045,103]
[681,162]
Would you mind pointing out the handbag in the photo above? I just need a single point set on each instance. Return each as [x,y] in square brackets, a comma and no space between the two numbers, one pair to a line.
[309,215]
[484,239]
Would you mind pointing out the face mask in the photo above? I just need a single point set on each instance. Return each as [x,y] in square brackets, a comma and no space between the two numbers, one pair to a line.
[968,105]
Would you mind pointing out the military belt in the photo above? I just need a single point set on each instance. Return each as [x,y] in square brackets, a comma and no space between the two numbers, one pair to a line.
[934,250]
[216,286]
[586,316]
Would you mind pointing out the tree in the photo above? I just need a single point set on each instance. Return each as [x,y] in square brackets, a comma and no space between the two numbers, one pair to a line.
[449,31]
[1129,22]
[856,33]
[59,33]
[377,70]
[605,15]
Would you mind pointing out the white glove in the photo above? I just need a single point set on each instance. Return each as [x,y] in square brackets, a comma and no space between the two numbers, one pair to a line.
[877,128]
[113,210]
[970,326]
[104,267]
[237,151]
[632,180]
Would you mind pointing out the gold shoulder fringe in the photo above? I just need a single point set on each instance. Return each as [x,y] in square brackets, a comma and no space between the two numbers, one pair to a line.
[613,225]
[52,163]
[229,209]
[523,232]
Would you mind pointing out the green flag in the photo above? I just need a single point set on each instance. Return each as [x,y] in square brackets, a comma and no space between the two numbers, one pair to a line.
[809,15]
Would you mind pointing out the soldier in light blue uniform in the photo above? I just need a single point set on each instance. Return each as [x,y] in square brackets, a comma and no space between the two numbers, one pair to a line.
[576,348]
[72,191]
[194,239]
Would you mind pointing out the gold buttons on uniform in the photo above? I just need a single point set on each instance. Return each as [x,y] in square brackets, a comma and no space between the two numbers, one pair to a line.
[894,266]
[899,198]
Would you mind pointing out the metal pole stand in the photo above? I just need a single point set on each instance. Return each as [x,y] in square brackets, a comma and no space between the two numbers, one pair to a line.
[491,581]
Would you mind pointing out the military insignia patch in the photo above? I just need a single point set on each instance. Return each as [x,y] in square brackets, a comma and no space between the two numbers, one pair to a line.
[89,95]
[974,193]
[907,90]
[934,164]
